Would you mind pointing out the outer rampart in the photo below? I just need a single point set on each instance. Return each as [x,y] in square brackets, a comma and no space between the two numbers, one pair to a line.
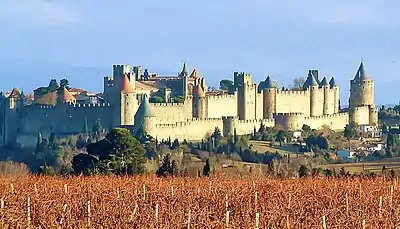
[333,121]
[221,105]
[293,102]
[192,129]
[172,112]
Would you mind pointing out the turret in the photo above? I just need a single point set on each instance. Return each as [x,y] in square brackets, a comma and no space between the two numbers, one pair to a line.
[312,84]
[129,101]
[145,117]
[327,97]
[199,102]
[244,84]
[336,95]
[269,97]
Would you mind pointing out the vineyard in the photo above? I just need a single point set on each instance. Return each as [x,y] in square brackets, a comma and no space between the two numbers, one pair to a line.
[149,202]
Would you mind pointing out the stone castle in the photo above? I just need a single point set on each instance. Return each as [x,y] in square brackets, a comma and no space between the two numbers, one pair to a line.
[241,108]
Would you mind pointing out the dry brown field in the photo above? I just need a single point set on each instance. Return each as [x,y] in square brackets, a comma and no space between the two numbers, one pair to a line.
[150,202]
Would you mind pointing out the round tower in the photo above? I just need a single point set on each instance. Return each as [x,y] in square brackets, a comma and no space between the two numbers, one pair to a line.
[199,102]
[327,97]
[289,121]
[312,85]
[361,89]
[129,101]
[336,95]
[145,118]
[269,97]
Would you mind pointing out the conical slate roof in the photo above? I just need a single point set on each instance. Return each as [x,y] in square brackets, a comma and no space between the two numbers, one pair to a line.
[184,71]
[145,110]
[267,83]
[361,74]
[310,81]
[332,82]
[127,86]
[324,82]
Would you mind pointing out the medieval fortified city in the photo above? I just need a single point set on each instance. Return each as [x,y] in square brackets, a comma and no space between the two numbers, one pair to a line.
[245,105]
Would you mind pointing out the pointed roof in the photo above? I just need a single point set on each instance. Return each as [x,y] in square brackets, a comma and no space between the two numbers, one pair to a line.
[323,82]
[332,82]
[127,86]
[197,90]
[267,83]
[145,110]
[15,93]
[66,95]
[361,74]
[184,71]
[195,73]
[310,81]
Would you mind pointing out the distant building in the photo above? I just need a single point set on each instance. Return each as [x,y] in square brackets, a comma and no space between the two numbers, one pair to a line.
[346,154]
[369,131]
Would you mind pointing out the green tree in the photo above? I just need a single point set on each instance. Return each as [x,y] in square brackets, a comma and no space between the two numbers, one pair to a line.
[118,153]
[306,128]
[168,167]
[280,137]
[391,140]
[225,84]
[85,127]
[178,99]
[385,128]
[350,130]
[64,83]
[217,136]
[97,128]
[303,171]
[156,99]
[207,168]
[53,85]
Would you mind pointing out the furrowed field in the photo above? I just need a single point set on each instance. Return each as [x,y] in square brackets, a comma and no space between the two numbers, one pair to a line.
[149,202]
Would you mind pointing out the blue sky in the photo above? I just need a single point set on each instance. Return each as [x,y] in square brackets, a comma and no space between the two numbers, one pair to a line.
[81,39]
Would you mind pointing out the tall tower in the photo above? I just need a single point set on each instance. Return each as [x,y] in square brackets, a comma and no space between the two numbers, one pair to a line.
[336,95]
[312,84]
[122,77]
[269,98]
[362,97]
[327,97]
[199,102]
[128,101]
[244,85]
[361,89]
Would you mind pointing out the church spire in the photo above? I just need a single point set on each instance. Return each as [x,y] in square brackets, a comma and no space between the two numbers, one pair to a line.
[184,71]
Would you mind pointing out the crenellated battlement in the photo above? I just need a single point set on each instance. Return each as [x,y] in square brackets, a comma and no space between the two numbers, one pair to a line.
[294,114]
[291,92]
[204,119]
[219,97]
[168,104]
[43,107]
[90,105]
[326,117]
